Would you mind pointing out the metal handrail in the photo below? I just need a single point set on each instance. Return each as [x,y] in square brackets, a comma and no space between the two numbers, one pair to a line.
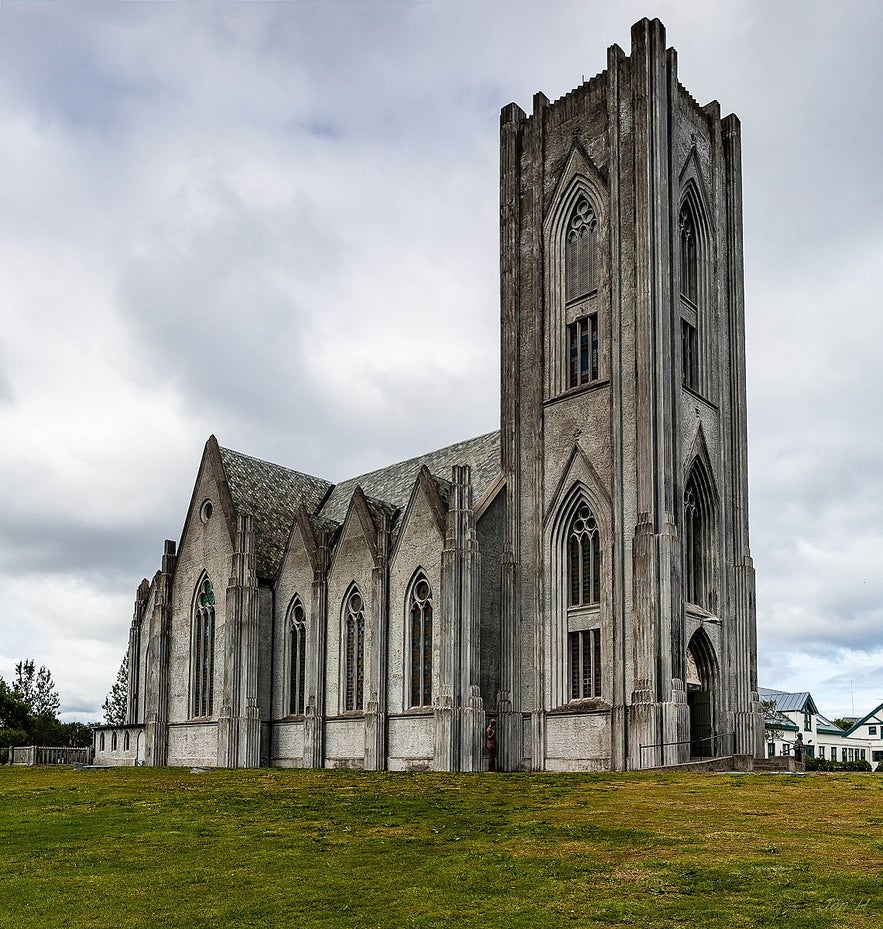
[708,738]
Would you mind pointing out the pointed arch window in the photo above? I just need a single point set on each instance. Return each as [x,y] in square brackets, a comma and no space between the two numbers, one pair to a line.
[420,614]
[584,559]
[354,652]
[297,652]
[689,276]
[203,655]
[581,251]
[698,545]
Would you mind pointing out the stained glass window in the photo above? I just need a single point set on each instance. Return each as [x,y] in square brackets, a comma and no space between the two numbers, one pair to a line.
[421,642]
[354,647]
[297,644]
[584,559]
[203,649]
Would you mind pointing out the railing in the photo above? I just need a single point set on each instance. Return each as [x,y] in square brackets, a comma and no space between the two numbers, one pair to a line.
[720,744]
[49,755]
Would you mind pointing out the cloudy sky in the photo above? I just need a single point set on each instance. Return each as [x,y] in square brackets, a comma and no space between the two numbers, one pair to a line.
[277,223]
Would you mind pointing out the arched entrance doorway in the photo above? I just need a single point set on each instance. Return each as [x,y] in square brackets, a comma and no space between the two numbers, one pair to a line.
[702,675]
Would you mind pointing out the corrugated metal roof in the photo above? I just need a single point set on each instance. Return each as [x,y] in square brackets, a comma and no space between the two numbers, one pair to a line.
[785,702]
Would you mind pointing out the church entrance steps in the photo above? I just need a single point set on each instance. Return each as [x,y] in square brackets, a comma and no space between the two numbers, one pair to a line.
[729,763]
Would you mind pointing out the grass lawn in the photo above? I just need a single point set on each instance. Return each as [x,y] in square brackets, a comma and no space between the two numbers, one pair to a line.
[164,847]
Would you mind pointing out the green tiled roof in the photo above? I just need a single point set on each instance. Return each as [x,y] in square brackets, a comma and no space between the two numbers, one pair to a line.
[272,494]
[394,483]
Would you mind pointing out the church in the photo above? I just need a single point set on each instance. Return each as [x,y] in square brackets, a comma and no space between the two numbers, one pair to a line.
[582,576]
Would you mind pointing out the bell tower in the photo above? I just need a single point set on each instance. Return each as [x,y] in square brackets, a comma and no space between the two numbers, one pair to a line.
[628,627]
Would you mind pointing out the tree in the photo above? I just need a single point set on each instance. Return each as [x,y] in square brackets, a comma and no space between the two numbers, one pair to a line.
[37,689]
[770,712]
[116,705]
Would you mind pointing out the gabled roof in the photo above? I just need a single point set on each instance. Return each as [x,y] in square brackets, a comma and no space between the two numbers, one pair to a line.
[393,484]
[773,719]
[789,702]
[823,724]
[864,719]
[272,494]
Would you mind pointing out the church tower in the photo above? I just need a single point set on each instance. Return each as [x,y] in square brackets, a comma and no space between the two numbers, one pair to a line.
[628,618]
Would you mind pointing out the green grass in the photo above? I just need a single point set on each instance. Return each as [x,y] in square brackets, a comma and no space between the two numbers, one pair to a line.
[153,848]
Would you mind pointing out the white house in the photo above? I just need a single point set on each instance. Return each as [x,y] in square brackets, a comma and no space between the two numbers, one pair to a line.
[787,714]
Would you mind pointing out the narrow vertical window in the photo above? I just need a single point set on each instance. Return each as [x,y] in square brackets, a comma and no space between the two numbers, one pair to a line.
[203,656]
[354,646]
[580,254]
[297,644]
[688,355]
[420,609]
[584,559]
[585,664]
[582,339]
[697,541]
[689,256]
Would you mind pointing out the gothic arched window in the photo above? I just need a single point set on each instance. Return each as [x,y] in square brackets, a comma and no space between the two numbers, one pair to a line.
[689,285]
[689,256]
[697,539]
[581,251]
[420,613]
[354,651]
[584,559]
[297,652]
[203,655]
[126,740]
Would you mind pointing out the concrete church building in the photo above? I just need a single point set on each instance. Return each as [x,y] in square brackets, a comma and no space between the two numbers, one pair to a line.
[583,575]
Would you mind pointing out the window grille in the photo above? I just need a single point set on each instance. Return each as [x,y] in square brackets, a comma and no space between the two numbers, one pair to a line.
[585,664]
[421,642]
[204,650]
[297,645]
[581,252]
[689,256]
[355,652]
[582,348]
[584,559]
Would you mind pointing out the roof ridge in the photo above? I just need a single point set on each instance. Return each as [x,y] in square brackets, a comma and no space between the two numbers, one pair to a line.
[274,464]
[414,458]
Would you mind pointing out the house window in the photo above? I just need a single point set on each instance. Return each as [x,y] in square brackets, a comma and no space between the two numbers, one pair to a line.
[581,252]
[834,753]
[354,648]
[690,373]
[585,664]
[821,751]
[872,730]
[420,611]
[786,748]
[297,649]
[877,755]
[582,350]
[584,559]
[861,752]
[203,655]
[771,750]
[807,720]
